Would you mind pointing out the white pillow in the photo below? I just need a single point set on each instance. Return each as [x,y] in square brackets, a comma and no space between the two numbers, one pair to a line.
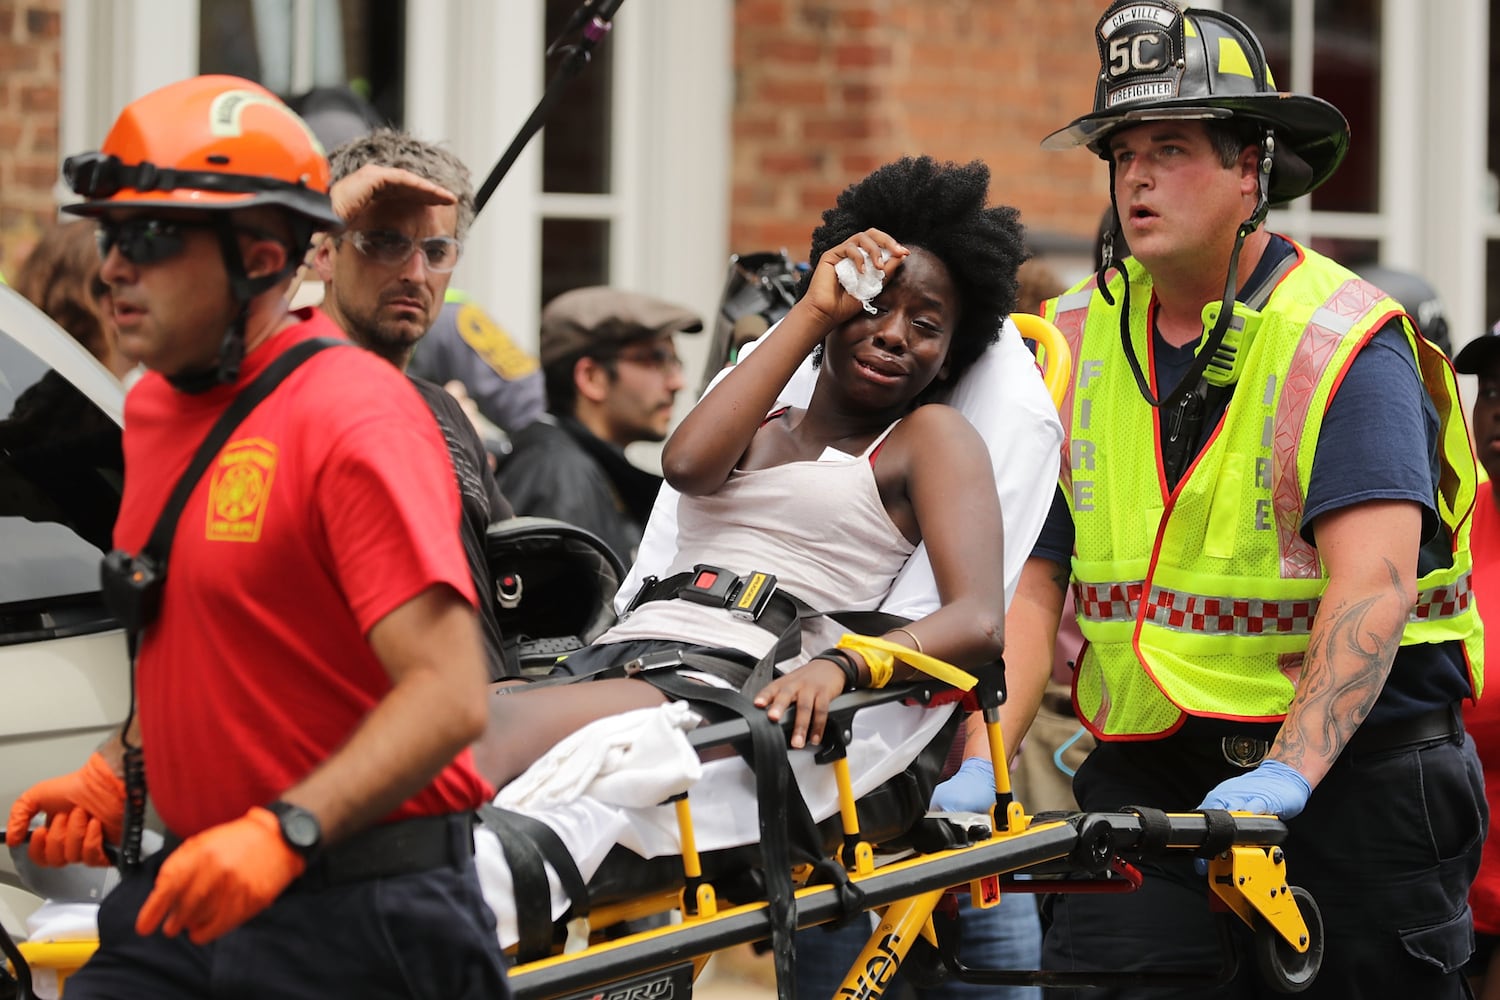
[1004,398]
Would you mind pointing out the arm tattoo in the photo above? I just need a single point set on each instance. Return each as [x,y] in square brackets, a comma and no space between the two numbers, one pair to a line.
[1348,659]
[1061,574]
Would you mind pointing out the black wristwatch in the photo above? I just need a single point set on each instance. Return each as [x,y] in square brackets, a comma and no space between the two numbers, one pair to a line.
[299,828]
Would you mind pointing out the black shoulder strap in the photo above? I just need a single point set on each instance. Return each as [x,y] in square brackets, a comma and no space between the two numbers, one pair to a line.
[159,545]
[132,586]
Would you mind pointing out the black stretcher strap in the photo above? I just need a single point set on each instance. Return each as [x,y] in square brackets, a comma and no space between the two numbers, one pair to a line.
[1220,836]
[1156,829]
[767,759]
[782,617]
[527,843]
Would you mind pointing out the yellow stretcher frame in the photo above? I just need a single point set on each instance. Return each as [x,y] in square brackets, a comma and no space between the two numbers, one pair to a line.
[1249,876]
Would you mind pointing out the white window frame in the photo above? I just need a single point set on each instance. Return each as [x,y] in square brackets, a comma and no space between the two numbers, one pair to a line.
[668,205]
[1434,105]
[115,51]
[474,72]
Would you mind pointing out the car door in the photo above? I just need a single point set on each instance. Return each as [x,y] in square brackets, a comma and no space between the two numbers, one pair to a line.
[64,677]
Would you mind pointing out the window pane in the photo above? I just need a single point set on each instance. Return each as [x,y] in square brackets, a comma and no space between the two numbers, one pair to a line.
[576,151]
[60,476]
[359,44]
[1346,59]
[1491,290]
[1491,203]
[575,253]
[1352,253]
[1494,115]
[1346,73]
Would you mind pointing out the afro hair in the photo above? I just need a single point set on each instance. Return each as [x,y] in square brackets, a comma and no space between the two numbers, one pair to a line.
[940,207]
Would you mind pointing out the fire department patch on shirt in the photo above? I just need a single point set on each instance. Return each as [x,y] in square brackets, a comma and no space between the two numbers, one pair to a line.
[490,341]
[238,490]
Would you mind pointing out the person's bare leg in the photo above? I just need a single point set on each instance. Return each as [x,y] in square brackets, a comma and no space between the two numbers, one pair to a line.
[526,722]
[1487,986]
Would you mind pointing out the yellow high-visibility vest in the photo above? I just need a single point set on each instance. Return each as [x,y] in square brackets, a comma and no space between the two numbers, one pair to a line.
[1201,600]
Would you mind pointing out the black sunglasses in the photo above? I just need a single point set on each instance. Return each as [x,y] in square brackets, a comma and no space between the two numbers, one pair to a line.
[145,241]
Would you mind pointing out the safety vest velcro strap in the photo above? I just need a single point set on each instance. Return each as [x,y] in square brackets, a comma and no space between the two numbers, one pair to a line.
[1109,602]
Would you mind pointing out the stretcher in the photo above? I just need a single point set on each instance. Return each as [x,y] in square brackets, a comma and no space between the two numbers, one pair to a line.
[910,877]
[909,882]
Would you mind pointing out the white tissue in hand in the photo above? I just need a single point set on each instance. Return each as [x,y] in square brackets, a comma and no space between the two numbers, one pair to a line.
[865,283]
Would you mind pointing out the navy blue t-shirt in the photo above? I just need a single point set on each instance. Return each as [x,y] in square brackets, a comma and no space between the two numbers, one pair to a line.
[1364,453]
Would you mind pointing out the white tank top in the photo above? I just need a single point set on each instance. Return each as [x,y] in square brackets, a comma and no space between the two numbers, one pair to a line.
[819,526]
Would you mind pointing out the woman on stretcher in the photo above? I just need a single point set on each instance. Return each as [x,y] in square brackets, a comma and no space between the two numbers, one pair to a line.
[831,499]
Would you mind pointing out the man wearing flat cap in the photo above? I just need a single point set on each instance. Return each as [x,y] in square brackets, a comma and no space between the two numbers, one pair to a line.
[612,373]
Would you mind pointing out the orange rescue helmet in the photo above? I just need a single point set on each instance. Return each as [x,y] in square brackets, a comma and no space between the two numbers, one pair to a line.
[209,143]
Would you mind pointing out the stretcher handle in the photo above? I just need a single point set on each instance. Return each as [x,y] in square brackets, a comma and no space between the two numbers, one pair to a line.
[1053,355]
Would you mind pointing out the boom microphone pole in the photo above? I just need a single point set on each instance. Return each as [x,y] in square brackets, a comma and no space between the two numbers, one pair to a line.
[574,61]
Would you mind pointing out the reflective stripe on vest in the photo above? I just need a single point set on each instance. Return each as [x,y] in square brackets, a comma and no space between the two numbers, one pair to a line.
[1109,602]
[1069,313]
[1210,615]
[1316,348]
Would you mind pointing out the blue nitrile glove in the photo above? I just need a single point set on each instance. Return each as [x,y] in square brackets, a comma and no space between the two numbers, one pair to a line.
[1271,788]
[971,789]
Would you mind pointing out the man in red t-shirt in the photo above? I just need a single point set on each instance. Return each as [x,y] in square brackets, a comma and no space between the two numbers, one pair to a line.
[307,691]
[1481,357]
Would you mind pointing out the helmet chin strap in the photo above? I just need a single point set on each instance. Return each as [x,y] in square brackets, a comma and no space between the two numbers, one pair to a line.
[243,288]
[1226,305]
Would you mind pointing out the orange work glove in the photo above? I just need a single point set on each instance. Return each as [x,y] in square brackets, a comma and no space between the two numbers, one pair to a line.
[84,809]
[220,878]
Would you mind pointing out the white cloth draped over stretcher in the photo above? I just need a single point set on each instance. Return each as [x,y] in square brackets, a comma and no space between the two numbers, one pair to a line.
[1003,396]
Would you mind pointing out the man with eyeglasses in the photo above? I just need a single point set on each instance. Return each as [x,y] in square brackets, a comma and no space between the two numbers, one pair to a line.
[407,205]
[308,668]
[612,374]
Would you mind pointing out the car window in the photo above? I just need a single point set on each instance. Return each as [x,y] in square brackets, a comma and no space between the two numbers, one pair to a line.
[61,471]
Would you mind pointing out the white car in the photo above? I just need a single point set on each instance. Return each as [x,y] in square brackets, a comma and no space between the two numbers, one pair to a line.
[64,676]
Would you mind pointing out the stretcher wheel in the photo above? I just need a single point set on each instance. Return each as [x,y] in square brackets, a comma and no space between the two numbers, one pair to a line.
[1284,968]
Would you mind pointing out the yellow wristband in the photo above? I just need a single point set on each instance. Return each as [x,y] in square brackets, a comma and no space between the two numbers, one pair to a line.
[881,655]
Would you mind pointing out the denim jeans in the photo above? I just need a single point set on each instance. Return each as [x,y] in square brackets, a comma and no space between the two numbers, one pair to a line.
[1388,846]
[1007,936]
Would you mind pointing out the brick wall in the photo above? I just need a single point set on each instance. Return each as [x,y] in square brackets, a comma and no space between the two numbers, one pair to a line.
[826,90]
[30,79]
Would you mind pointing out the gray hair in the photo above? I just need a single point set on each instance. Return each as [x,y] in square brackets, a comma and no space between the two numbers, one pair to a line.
[388,147]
